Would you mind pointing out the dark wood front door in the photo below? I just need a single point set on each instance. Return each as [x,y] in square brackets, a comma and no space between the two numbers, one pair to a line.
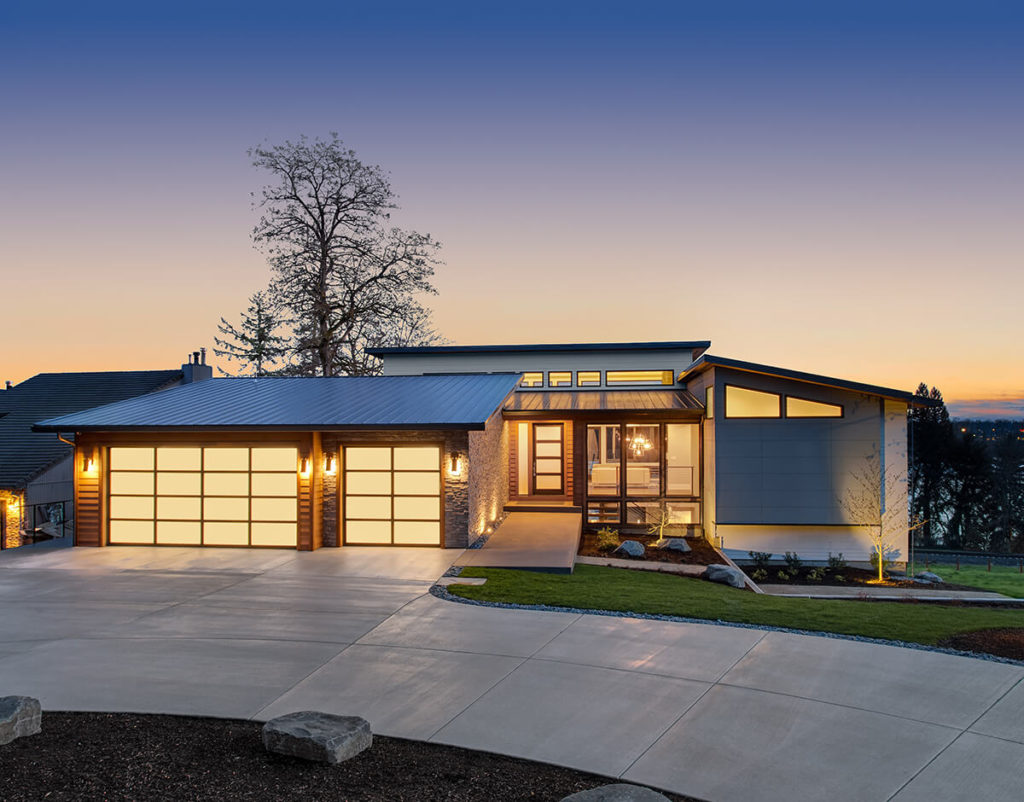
[548,459]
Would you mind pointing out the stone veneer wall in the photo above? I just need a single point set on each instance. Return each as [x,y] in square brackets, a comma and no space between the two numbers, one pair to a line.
[456,488]
[488,474]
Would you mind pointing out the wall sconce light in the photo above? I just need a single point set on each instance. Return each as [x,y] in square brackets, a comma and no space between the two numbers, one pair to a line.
[330,464]
[455,465]
[304,466]
[88,464]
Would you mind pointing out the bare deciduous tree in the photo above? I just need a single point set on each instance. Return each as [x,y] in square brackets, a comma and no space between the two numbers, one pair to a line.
[347,279]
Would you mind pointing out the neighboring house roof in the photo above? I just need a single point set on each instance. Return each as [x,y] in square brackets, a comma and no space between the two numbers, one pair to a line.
[709,361]
[24,454]
[610,400]
[462,401]
[476,349]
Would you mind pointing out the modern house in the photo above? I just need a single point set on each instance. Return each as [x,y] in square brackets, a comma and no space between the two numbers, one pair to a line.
[431,452]
[36,472]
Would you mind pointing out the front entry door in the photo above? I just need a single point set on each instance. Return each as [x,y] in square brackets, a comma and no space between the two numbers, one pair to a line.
[548,459]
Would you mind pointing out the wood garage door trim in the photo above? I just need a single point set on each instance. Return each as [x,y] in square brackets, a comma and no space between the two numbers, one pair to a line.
[342,491]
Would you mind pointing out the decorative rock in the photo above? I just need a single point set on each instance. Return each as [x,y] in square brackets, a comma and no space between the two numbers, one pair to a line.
[675,544]
[618,792]
[19,716]
[632,548]
[928,576]
[319,737]
[725,574]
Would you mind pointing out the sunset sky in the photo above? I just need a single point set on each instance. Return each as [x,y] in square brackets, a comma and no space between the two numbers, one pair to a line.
[832,187]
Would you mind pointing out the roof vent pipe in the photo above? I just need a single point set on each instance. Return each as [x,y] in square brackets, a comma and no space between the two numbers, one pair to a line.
[203,352]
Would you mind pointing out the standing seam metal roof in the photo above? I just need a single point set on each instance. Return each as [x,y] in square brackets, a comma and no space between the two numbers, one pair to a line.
[604,400]
[366,402]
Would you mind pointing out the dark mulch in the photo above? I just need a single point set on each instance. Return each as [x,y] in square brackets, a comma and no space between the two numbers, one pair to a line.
[129,757]
[1007,642]
[701,552]
[844,577]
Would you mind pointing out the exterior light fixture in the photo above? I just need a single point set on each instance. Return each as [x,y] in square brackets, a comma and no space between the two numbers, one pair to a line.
[455,465]
[330,465]
[304,466]
[88,464]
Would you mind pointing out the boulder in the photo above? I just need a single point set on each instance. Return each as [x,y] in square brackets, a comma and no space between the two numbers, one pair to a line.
[631,548]
[618,792]
[725,574]
[19,716]
[928,576]
[319,737]
[674,544]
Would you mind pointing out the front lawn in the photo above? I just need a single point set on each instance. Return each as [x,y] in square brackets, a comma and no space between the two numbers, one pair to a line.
[599,588]
[1004,579]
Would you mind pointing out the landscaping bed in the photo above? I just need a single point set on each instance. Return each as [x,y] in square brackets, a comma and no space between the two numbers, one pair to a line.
[701,552]
[130,757]
[843,577]
[651,593]
[1007,642]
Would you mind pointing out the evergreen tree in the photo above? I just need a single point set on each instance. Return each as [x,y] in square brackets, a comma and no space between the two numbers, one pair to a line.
[1005,523]
[255,342]
[931,434]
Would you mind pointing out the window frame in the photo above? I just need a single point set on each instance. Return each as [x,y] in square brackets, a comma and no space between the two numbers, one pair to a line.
[567,381]
[785,408]
[581,382]
[667,378]
[533,384]
[725,402]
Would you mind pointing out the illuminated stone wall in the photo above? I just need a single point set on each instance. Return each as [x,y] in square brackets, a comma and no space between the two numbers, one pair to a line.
[13,503]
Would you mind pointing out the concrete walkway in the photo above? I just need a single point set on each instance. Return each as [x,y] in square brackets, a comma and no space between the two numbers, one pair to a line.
[535,541]
[720,713]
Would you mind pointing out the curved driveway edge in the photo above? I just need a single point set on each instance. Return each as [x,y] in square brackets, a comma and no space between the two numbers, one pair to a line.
[721,713]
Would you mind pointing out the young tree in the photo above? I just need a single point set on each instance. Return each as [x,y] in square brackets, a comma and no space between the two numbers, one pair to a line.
[255,343]
[347,279]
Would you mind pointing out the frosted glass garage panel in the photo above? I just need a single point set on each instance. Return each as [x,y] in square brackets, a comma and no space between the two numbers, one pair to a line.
[366,532]
[131,506]
[178,533]
[418,483]
[274,484]
[226,484]
[179,484]
[274,509]
[368,507]
[133,484]
[275,459]
[417,458]
[131,531]
[370,483]
[226,459]
[407,507]
[179,509]
[131,459]
[226,509]
[179,459]
[363,458]
[275,534]
[417,533]
[226,534]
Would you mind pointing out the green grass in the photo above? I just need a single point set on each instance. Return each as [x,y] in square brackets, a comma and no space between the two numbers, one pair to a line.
[599,588]
[1003,579]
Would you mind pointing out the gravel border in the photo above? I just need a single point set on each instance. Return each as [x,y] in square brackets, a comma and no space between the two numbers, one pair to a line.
[442,593]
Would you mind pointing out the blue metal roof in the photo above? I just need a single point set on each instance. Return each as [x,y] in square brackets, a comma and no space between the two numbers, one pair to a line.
[470,349]
[463,401]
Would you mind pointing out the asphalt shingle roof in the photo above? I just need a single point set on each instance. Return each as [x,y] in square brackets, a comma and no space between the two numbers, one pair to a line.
[462,401]
[23,453]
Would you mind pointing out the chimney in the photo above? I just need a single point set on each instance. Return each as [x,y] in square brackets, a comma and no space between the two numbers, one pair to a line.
[9,385]
[195,371]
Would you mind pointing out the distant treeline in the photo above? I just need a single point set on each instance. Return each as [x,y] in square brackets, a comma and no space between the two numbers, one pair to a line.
[966,480]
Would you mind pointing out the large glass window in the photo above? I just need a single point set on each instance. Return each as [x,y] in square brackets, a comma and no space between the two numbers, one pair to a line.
[603,460]
[560,378]
[643,459]
[682,455]
[742,402]
[613,377]
[805,408]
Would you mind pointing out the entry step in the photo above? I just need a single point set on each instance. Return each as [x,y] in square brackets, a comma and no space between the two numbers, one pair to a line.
[542,506]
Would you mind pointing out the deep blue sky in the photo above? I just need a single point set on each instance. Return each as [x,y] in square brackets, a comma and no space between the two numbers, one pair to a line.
[829,186]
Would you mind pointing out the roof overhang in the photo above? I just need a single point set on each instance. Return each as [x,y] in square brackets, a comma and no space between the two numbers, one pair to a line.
[677,402]
[707,361]
[480,349]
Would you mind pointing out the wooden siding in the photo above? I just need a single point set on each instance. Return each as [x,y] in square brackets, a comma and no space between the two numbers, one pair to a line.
[89,494]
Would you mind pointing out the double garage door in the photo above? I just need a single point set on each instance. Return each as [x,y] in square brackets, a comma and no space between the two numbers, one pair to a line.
[248,495]
[204,496]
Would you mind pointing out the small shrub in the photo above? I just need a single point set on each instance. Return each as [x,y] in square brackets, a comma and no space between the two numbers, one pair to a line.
[760,558]
[793,562]
[874,562]
[839,578]
[782,575]
[759,575]
[816,574]
[836,562]
[607,539]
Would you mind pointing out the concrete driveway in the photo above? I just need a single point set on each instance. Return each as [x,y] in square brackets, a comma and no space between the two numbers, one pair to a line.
[717,712]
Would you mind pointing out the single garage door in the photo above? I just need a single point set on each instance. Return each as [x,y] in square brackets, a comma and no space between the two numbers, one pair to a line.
[204,496]
[392,495]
